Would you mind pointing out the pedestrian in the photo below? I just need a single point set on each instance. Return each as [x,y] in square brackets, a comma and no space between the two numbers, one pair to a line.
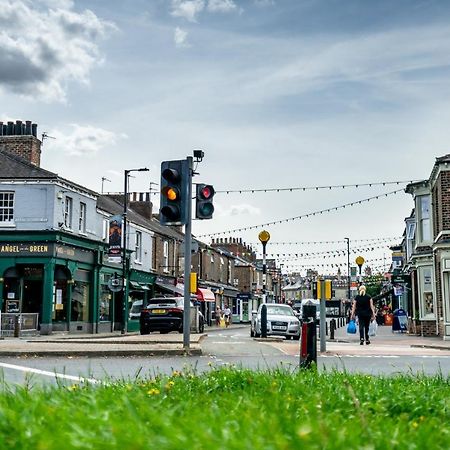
[364,310]
[227,315]
[218,316]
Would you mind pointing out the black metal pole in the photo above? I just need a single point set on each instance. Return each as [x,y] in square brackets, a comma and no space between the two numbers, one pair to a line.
[348,265]
[124,251]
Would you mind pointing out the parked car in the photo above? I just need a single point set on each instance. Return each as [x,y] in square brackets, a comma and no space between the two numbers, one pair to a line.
[135,310]
[165,314]
[281,321]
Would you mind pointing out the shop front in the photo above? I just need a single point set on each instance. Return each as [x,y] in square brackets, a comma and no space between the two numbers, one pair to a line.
[53,281]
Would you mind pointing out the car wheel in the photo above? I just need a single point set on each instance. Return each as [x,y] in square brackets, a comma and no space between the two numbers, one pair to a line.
[164,331]
[296,338]
[144,330]
[257,334]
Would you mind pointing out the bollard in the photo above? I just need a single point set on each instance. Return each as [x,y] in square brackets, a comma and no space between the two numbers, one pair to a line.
[16,326]
[308,345]
[264,321]
[332,328]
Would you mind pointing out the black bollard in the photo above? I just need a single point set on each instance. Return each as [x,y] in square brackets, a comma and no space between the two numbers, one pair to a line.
[16,326]
[264,321]
[332,328]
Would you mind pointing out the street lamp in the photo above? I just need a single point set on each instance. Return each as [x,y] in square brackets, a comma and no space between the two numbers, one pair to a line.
[124,247]
[348,265]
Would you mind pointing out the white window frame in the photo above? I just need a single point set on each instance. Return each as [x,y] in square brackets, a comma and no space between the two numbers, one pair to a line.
[422,220]
[82,218]
[68,210]
[166,256]
[105,231]
[7,211]
[138,247]
[427,296]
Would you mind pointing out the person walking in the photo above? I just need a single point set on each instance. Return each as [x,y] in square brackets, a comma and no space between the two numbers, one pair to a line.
[218,316]
[227,315]
[364,310]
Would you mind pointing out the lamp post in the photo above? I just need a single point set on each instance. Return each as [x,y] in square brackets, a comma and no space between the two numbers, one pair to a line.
[124,247]
[348,265]
[264,237]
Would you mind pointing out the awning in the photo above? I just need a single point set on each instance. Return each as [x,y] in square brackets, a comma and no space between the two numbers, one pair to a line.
[178,289]
[135,285]
[205,295]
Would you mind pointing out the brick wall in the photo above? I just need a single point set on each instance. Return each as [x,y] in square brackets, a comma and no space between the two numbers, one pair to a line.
[158,256]
[443,189]
[26,147]
[428,327]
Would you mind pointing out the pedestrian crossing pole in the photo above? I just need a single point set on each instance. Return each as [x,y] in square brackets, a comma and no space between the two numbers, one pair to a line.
[264,237]
[323,337]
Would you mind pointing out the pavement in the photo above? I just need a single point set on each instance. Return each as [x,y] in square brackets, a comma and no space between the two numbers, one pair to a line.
[155,344]
[102,345]
[386,343]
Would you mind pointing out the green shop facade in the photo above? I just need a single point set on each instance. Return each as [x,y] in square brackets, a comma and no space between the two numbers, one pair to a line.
[66,281]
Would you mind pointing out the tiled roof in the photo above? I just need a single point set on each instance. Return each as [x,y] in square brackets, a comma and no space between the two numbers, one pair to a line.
[12,166]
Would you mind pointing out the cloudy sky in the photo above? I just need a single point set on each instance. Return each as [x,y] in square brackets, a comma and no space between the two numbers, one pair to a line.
[278,93]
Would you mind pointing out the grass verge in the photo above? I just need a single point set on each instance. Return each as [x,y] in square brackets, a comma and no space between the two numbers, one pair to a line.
[232,409]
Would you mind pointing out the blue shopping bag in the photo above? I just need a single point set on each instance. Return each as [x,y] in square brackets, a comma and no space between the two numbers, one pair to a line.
[351,327]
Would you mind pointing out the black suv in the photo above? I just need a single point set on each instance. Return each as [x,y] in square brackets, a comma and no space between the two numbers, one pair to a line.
[165,314]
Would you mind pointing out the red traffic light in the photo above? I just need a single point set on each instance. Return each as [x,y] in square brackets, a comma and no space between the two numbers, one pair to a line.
[206,192]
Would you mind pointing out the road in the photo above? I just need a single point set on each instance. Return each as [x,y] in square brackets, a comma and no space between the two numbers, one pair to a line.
[222,348]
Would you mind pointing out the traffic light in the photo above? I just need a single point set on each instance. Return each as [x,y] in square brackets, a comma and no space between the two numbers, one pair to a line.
[204,207]
[174,192]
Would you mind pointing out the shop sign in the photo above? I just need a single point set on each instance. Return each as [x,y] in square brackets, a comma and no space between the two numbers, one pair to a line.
[26,249]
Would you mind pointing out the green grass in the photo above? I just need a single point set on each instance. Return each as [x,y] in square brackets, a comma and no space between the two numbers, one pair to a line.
[232,409]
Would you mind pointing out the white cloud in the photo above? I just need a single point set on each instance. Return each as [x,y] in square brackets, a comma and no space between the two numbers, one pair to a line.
[221,5]
[187,9]
[238,210]
[180,37]
[44,49]
[83,140]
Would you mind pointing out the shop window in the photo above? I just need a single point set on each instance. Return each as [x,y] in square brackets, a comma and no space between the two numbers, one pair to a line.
[82,218]
[104,313]
[68,205]
[80,302]
[138,247]
[427,307]
[6,207]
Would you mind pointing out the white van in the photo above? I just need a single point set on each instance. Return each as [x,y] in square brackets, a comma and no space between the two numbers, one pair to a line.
[308,301]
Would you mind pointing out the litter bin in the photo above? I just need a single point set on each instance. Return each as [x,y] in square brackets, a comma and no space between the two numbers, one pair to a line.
[400,320]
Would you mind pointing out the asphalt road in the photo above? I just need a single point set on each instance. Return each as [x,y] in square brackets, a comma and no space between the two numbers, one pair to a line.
[221,347]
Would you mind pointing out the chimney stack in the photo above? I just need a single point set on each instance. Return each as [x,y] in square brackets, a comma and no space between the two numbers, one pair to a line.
[140,202]
[20,139]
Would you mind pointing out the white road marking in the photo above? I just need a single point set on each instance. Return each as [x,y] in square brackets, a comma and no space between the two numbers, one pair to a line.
[49,374]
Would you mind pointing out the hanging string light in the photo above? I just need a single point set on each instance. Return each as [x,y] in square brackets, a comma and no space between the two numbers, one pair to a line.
[311,214]
[313,188]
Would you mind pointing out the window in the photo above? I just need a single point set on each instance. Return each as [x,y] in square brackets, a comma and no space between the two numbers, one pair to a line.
[105,231]
[426,292]
[6,207]
[68,212]
[166,257]
[138,247]
[82,218]
[423,218]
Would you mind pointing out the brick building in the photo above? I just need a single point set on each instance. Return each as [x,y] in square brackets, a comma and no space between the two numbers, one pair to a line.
[427,250]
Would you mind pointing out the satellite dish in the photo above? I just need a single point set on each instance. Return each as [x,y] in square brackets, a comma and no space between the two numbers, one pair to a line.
[115,284]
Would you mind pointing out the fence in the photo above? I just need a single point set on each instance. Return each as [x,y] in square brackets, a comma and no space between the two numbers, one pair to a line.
[18,324]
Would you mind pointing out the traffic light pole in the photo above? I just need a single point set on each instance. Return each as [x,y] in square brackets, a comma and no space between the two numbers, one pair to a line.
[323,337]
[187,260]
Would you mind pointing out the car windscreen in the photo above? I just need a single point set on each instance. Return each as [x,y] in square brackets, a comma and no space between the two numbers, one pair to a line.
[279,311]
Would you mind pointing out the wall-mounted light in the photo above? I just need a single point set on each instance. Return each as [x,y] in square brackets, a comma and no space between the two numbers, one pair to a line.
[2,280]
[72,281]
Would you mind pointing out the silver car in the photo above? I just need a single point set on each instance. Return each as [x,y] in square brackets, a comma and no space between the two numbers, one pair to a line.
[281,321]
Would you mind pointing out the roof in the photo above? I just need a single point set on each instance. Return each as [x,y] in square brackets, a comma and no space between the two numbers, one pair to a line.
[13,167]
